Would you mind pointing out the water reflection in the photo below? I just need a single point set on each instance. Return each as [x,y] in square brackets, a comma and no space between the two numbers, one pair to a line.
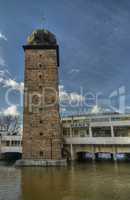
[90,181]
[42,183]
[10,182]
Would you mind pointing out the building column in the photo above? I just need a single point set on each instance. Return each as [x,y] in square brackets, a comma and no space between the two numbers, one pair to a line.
[114,157]
[90,132]
[112,131]
[72,152]
[0,144]
[112,128]
[93,153]
[71,145]
[71,129]
[114,154]
[114,148]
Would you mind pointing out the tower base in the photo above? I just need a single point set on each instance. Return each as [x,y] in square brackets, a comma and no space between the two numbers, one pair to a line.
[40,163]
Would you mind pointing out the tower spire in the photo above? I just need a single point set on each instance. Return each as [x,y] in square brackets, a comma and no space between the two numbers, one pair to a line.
[43,19]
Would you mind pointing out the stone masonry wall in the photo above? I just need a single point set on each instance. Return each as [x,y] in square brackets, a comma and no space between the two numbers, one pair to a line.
[41,133]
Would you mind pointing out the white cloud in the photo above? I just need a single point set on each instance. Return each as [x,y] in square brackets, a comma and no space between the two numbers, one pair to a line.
[74,71]
[2,62]
[96,109]
[6,81]
[76,97]
[62,110]
[2,73]
[11,110]
[3,37]
[63,94]
[14,84]
[101,109]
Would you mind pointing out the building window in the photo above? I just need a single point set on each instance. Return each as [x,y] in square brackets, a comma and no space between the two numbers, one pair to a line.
[7,143]
[101,131]
[66,132]
[41,134]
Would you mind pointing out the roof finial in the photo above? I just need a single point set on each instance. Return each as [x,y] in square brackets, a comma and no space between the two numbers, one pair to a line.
[43,22]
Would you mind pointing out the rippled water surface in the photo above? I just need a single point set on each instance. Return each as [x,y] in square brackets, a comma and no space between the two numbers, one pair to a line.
[100,181]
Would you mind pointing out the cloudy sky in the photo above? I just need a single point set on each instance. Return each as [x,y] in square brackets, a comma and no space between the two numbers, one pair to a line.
[94,39]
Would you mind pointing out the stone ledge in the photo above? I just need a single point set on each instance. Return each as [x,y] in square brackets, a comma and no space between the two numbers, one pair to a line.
[40,163]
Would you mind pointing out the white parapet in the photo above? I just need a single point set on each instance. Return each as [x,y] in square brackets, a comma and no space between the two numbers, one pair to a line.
[11,149]
[98,140]
[11,138]
[113,123]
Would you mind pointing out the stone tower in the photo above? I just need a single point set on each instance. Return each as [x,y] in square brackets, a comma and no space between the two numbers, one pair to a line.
[42,140]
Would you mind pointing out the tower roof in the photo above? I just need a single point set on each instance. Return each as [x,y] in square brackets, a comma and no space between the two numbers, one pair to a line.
[41,37]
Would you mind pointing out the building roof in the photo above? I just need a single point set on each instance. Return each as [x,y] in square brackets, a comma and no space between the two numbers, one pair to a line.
[98,115]
[41,37]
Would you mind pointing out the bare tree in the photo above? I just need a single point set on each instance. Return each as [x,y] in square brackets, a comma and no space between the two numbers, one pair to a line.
[10,124]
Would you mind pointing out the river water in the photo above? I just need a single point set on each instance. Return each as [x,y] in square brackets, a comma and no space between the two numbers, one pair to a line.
[89,181]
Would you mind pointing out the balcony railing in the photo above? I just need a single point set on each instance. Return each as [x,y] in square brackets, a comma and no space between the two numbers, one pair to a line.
[11,149]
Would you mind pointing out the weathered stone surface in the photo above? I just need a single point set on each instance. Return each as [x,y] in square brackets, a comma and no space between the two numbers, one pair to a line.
[41,132]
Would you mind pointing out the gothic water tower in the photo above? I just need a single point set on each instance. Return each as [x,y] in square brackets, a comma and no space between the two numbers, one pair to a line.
[42,139]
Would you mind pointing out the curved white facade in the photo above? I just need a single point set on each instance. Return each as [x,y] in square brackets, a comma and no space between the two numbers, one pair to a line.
[97,133]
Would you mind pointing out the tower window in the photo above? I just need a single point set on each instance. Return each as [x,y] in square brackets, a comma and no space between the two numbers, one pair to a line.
[41,153]
[36,99]
[40,65]
[41,121]
[40,87]
[40,109]
[40,55]
[41,134]
[40,76]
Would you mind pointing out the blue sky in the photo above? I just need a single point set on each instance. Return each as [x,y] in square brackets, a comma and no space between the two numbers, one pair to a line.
[94,39]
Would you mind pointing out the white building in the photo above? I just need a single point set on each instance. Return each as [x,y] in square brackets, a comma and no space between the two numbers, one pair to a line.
[85,137]
[97,136]
[10,143]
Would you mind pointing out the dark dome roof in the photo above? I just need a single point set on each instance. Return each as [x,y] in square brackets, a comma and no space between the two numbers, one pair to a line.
[42,37]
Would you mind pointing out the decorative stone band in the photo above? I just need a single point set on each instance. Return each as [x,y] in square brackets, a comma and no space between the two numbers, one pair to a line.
[45,47]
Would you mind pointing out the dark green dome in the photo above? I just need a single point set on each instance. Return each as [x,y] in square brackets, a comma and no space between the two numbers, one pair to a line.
[42,37]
